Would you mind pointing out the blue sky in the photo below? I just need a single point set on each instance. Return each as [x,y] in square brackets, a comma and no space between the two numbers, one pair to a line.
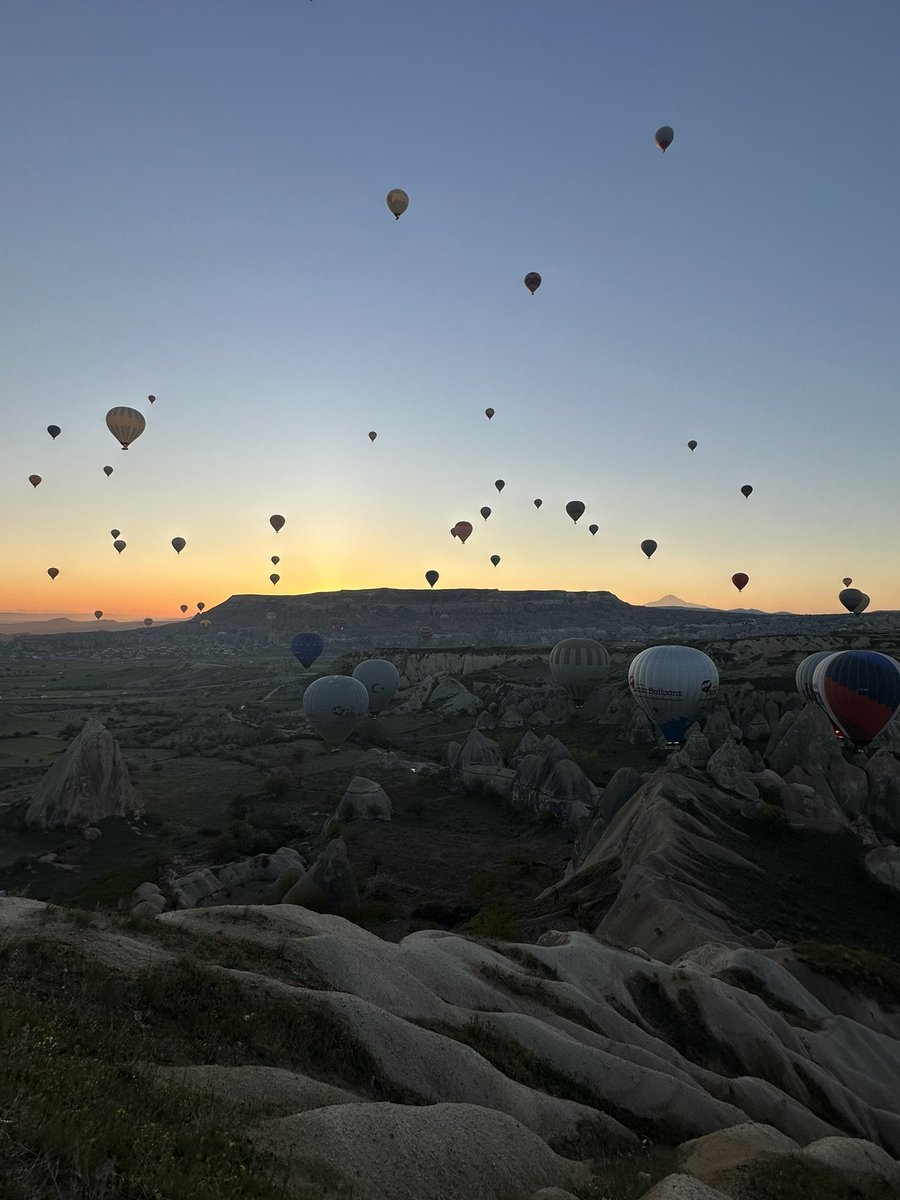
[193,205]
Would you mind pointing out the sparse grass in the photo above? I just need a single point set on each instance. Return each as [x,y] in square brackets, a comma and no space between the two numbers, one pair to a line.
[534,965]
[860,970]
[496,920]
[679,1022]
[748,982]
[535,989]
[789,1177]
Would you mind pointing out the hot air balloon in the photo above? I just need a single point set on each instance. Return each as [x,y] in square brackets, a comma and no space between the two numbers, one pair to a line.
[306,648]
[499,484]
[119,545]
[178,544]
[431,578]
[372,435]
[206,625]
[485,512]
[276,521]
[34,480]
[746,490]
[397,202]
[425,633]
[107,471]
[495,559]
[274,579]
[577,665]
[114,533]
[54,431]
[183,607]
[453,532]
[648,546]
[860,692]
[275,560]
[488,412]
[671,684]
[852,598]
[665,136]
[806,669]
[740,580]
[200,606]
[148,620]
[463,531]
[98,613]
[575,509]
[380,679]
[846,582]
[538,503]
[53,572]
[152,399]
[125,424]
[334,705]
[592,529]
[692,445]
[532,281]
[271,616]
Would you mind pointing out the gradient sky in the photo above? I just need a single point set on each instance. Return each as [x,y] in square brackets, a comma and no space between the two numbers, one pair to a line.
[193,204]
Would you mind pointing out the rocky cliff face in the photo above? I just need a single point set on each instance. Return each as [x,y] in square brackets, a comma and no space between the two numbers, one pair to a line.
[88,783]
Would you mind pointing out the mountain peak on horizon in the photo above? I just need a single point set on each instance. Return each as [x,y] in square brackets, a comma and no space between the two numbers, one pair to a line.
[671,601]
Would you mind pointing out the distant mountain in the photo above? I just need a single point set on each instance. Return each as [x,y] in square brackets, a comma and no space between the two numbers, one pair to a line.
[677,602]
[12,624]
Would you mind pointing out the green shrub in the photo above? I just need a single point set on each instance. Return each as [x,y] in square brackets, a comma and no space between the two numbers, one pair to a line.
[497,920]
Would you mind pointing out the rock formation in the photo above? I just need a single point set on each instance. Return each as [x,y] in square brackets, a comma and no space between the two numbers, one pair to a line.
[89,782]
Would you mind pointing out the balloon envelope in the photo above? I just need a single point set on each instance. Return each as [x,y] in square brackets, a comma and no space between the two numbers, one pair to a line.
[806,669]
[665,136]
[125,424]
[397,202]
[183,607]
[425,633]
[54,431]
[107,471]
[431,578]
[274,579]
[575,509]
[276,521]
[860,691]
[672,684]
[152,399]
[148,620]
[200,607]
[577,665]
[334,705]
[538,503]
[746,490]
[372,435]
[495,559]
[532,281]
[178,544]
[593,530]
[648,546]
[740,580]
[34,480]
[488,412]
[306,648]
[275,560]
[485,512]
[380,678]
[98,613]
[53,572]
[119,545]
[692,445]
[463,530]
[499,484]
[114,533]
[847,581]
[851,598]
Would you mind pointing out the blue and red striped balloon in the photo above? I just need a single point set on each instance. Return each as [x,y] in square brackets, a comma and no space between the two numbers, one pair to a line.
[860,691]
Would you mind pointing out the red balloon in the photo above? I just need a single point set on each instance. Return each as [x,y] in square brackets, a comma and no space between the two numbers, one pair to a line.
[740,580]
[463,530]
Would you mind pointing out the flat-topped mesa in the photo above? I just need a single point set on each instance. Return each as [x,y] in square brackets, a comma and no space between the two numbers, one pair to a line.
[88,783]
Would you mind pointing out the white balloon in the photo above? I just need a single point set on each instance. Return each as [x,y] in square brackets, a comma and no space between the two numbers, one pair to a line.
[805,672]
[672,684]
[578,665]
[380,678]
[334,705]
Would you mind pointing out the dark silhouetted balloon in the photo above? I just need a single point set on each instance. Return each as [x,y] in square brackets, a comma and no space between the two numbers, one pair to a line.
[200,606]
[740,580]
[538,503]
[34,480]
[575,509]
[495,559]
[847,581]
[178,544]
[183,607]
[746,490]
[425,633]
[397,202]
[532,281]
[854,600]
[119,545]
[578,665]
[114,533]
[276,521]
[125,424]
[152,399]
[372,435]
[306,648]
[431,577]
[107,471]
[665,136]
[648,546]
[148,620]
[206,626]
[488,412]
[499,484]
[485,512]
[592,529]
[53,572]
[463,531]
[98,613]
[692,445]
[860,691]
[54,431]
[274,579]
